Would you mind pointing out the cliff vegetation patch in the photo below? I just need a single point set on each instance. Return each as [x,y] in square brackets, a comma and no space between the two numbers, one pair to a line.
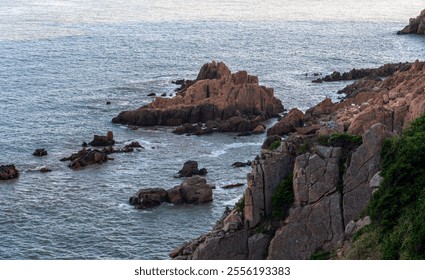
[398,207]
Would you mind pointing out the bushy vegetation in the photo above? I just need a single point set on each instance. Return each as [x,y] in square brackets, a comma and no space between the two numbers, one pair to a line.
[340,140]
[275,145]
[398,207]
[283,197]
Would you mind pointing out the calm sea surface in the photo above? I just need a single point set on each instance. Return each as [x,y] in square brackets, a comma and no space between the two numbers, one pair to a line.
[61,61]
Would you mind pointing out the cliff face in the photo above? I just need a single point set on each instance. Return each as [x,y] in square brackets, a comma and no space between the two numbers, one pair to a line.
[334,175]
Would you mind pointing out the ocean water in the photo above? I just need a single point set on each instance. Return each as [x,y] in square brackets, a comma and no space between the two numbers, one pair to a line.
[61,61]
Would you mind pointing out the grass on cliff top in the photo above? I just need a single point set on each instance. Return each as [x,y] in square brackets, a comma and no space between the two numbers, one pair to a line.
[398,207]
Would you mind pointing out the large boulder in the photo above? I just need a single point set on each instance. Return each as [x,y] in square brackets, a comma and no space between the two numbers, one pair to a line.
[189,169]
[101,140]
[193,190]
[216,95]
[8,172]
[288,124]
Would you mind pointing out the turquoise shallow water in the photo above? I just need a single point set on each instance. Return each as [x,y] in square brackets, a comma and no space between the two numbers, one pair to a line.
[61,61]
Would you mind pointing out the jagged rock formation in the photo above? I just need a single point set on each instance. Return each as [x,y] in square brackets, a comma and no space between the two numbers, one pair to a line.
[194,190]
[415,26]
[8,172]
[227,102]
[334,175]
[370,73]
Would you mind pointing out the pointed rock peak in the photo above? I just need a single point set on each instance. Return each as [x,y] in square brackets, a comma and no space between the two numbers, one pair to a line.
[213,70]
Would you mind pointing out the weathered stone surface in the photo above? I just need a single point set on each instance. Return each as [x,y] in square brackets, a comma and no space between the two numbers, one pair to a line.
[415,26]
[236,101]
[372,115]
[8,172]
[315,222]
[364,164]
[294,119]
[233,246]
[266,175]
[316,175]
[309,229]
[195,190]
[258,245]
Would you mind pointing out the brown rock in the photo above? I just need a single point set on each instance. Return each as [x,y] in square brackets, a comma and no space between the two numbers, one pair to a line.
[415,26]
[8,172]
[100,140]
[195,190]
[294,119]
[231,247]
[217,95]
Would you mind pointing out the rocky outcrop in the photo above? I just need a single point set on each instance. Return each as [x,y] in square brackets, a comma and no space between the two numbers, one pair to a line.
[86,157]
[8,172]
[235,101]
[332,181]
[194,190]
[190,168]
[415,26]
[370,73]
[100,140]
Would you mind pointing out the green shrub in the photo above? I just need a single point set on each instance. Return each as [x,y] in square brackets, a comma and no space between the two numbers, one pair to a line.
[275,145]
[283,197]
[399,204]
[321,255]
[345,140]
[240,204]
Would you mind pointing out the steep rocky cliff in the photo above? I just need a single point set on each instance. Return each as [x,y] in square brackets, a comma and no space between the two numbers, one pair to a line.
[334,160]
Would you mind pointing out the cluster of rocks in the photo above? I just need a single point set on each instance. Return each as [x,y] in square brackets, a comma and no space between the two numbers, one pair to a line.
[194,190]
[415,26]
[216,101]
[86,157]
[8,172]
[370,73]
[332,184]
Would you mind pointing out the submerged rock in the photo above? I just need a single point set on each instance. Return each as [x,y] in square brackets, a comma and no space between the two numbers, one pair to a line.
[40,153]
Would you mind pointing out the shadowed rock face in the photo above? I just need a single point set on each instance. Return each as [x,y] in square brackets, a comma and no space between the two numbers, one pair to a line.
[415,26]
[216,95]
